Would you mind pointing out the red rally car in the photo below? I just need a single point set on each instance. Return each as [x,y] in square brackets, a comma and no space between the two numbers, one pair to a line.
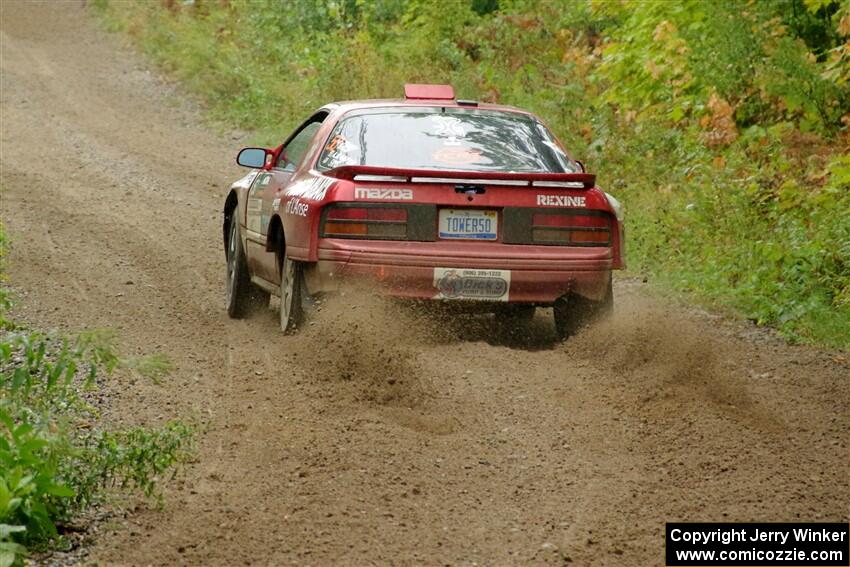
[426,198]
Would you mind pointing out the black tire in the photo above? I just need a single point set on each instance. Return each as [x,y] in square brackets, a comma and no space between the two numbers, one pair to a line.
[291,295]
[243,298]
[606,308]
[574,312]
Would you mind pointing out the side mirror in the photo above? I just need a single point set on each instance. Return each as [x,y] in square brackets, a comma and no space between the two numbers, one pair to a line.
[252,157]
[581,165]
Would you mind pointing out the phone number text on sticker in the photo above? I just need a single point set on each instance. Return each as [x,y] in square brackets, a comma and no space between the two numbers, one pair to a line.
[468,284]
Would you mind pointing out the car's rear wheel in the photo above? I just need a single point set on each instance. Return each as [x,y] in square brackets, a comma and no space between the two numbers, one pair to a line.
[291,290]
[243,297]
[573,312]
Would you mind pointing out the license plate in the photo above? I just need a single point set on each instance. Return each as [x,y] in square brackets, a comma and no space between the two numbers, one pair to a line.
[468,224]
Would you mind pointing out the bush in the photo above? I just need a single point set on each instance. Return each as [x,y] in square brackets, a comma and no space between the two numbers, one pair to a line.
[54,459]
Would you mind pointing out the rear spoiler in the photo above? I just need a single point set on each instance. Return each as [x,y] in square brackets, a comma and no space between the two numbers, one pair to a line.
[403,175]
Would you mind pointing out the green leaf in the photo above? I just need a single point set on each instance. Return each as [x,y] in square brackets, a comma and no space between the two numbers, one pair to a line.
[21,431]
[23,483]
[59,490]
[5,498]
[9,551]
[677,113]
[6,420]
[7,529]
[33,445]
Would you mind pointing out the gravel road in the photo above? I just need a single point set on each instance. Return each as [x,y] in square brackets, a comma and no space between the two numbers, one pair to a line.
[377,436]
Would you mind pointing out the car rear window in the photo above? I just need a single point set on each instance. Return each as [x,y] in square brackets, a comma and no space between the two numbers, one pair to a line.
[444,139]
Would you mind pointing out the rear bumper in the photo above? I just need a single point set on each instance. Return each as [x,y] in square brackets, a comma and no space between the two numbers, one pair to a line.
[465,270]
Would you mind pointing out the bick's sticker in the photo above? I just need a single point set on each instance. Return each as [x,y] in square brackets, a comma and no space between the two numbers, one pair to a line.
[297,207]
[377,193]
[560,201]
[476,285]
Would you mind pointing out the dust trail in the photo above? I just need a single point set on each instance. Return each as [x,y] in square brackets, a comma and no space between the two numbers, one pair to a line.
[370,344]
[671,364]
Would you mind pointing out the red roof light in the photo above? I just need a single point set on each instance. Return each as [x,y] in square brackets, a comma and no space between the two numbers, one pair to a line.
[429,92]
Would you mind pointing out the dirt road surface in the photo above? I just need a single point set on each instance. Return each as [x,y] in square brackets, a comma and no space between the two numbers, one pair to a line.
[376,436]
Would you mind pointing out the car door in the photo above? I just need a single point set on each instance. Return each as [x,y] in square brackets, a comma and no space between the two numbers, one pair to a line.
[267,189]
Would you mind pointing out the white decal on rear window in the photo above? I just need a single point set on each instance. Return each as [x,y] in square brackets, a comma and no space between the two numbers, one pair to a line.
[450,128]
[341,151]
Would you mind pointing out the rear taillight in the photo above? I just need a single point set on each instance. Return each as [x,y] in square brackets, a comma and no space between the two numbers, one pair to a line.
[571,228]
[376,221]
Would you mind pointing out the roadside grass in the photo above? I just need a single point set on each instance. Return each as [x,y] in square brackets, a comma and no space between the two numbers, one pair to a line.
[723,127]
[57,458]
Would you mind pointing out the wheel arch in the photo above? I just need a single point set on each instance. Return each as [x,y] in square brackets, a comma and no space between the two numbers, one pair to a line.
[276,240]
[230,206]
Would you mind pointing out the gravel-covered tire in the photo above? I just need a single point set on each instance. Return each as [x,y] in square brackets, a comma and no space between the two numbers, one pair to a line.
[606,308]
[291,292]
[243,298]
[574,312]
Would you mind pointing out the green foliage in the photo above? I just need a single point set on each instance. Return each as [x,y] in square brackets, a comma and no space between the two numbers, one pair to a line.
[54,460]
[5,300]
[722,126]
[153,367]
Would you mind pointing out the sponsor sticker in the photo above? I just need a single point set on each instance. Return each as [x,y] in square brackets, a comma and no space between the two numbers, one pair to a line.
[296,207]
[449,128]
[312,189]
[560,201]
[386,194]
[470,284]
[340,151]
[456,155]
[246,181]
